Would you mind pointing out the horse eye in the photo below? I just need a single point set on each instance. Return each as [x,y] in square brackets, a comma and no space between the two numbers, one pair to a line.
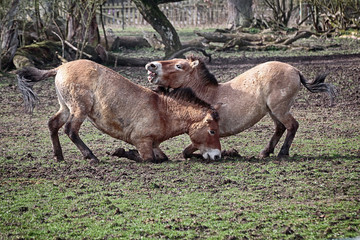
[178,66]
[211,132]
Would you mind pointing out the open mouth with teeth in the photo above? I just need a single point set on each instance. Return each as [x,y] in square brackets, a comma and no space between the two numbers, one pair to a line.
[152,76]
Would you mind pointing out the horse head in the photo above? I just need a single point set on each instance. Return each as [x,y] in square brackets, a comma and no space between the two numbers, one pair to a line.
[204,136]
[176,73]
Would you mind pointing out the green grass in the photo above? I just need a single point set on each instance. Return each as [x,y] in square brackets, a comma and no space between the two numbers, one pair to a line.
[188,200]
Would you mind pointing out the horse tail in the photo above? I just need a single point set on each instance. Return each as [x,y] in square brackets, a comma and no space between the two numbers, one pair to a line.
[318,85]
[27,77]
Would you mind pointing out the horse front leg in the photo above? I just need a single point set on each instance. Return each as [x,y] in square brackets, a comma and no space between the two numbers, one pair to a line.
[145,148]
[160,156]
[189,152]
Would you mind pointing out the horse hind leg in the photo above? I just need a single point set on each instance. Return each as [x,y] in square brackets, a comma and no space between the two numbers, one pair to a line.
[72,128]
[291,126]
[54,124]
[279,131]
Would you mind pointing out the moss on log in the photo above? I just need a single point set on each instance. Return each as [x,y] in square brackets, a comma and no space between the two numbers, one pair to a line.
[41,54]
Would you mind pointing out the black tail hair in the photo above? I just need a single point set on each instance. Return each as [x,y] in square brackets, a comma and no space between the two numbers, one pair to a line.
[27,77]
[318,85]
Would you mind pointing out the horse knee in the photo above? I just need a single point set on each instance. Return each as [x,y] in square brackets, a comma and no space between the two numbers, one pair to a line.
[280,128]
[68,130]
[144,146]
[294,126]
[188,151]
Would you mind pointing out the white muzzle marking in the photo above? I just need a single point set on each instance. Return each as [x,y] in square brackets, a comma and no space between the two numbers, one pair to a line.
[154,72]
[213,154]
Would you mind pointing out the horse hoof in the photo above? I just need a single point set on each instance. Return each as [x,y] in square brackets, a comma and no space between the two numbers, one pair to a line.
[261,156]
[159,160]
[264,154]
[94,162]
[120,152]
[59,159]
[283,157]
[230,153]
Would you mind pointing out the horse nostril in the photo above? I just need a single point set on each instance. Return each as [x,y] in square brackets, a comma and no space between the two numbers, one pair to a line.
[217,157]
[152,65]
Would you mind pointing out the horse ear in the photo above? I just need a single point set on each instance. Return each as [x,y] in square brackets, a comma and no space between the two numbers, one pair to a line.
[208,120]
[194,63]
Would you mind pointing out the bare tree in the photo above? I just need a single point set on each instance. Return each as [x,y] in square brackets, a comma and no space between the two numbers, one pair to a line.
[240,13]
[153,15]
[282,10]
[82,25]
[328,15]
[9,32]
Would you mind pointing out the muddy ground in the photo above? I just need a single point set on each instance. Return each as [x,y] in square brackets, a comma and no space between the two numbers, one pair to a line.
[26,149]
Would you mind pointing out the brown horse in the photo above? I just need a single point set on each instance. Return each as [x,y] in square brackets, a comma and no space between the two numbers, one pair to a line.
[123,110]
[267,88]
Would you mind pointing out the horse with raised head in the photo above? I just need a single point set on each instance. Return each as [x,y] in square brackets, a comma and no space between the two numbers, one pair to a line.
[123,110]
[270,88]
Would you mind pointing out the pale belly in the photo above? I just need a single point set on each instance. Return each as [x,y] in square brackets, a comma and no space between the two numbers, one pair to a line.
[235,118]
[239,110]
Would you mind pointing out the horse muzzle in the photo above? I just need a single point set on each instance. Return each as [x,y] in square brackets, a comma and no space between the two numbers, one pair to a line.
[213,154]
[153,71]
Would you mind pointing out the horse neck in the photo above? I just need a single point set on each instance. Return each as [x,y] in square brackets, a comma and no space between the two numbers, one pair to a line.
[202,89]
[180,117]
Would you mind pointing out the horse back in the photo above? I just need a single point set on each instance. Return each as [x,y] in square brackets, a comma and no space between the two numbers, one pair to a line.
[113,103]
[266,77]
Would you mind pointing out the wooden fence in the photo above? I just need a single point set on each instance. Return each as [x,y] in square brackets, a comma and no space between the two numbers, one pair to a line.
[180,14]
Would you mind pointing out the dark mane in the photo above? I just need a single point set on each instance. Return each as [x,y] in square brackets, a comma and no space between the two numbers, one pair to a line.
[205,74]
[188,95]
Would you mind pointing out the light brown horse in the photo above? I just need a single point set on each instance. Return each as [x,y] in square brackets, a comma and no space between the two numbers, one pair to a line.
[267,88]
[123,110]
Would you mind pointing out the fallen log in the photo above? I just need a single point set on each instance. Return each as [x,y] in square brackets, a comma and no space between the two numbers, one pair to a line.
[49,54]
[297,36]
[225,37]
[258,41]
[128,42]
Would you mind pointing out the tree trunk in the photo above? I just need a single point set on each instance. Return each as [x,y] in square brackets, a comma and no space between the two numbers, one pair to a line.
[240,13]
[153,15]
[282,10]
[82,25]
[9,36]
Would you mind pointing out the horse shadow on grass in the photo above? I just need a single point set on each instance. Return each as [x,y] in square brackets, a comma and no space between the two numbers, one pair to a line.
[232,156]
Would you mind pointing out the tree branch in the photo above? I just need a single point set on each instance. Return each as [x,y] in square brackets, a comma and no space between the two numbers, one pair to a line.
[166,1]
[188,49]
